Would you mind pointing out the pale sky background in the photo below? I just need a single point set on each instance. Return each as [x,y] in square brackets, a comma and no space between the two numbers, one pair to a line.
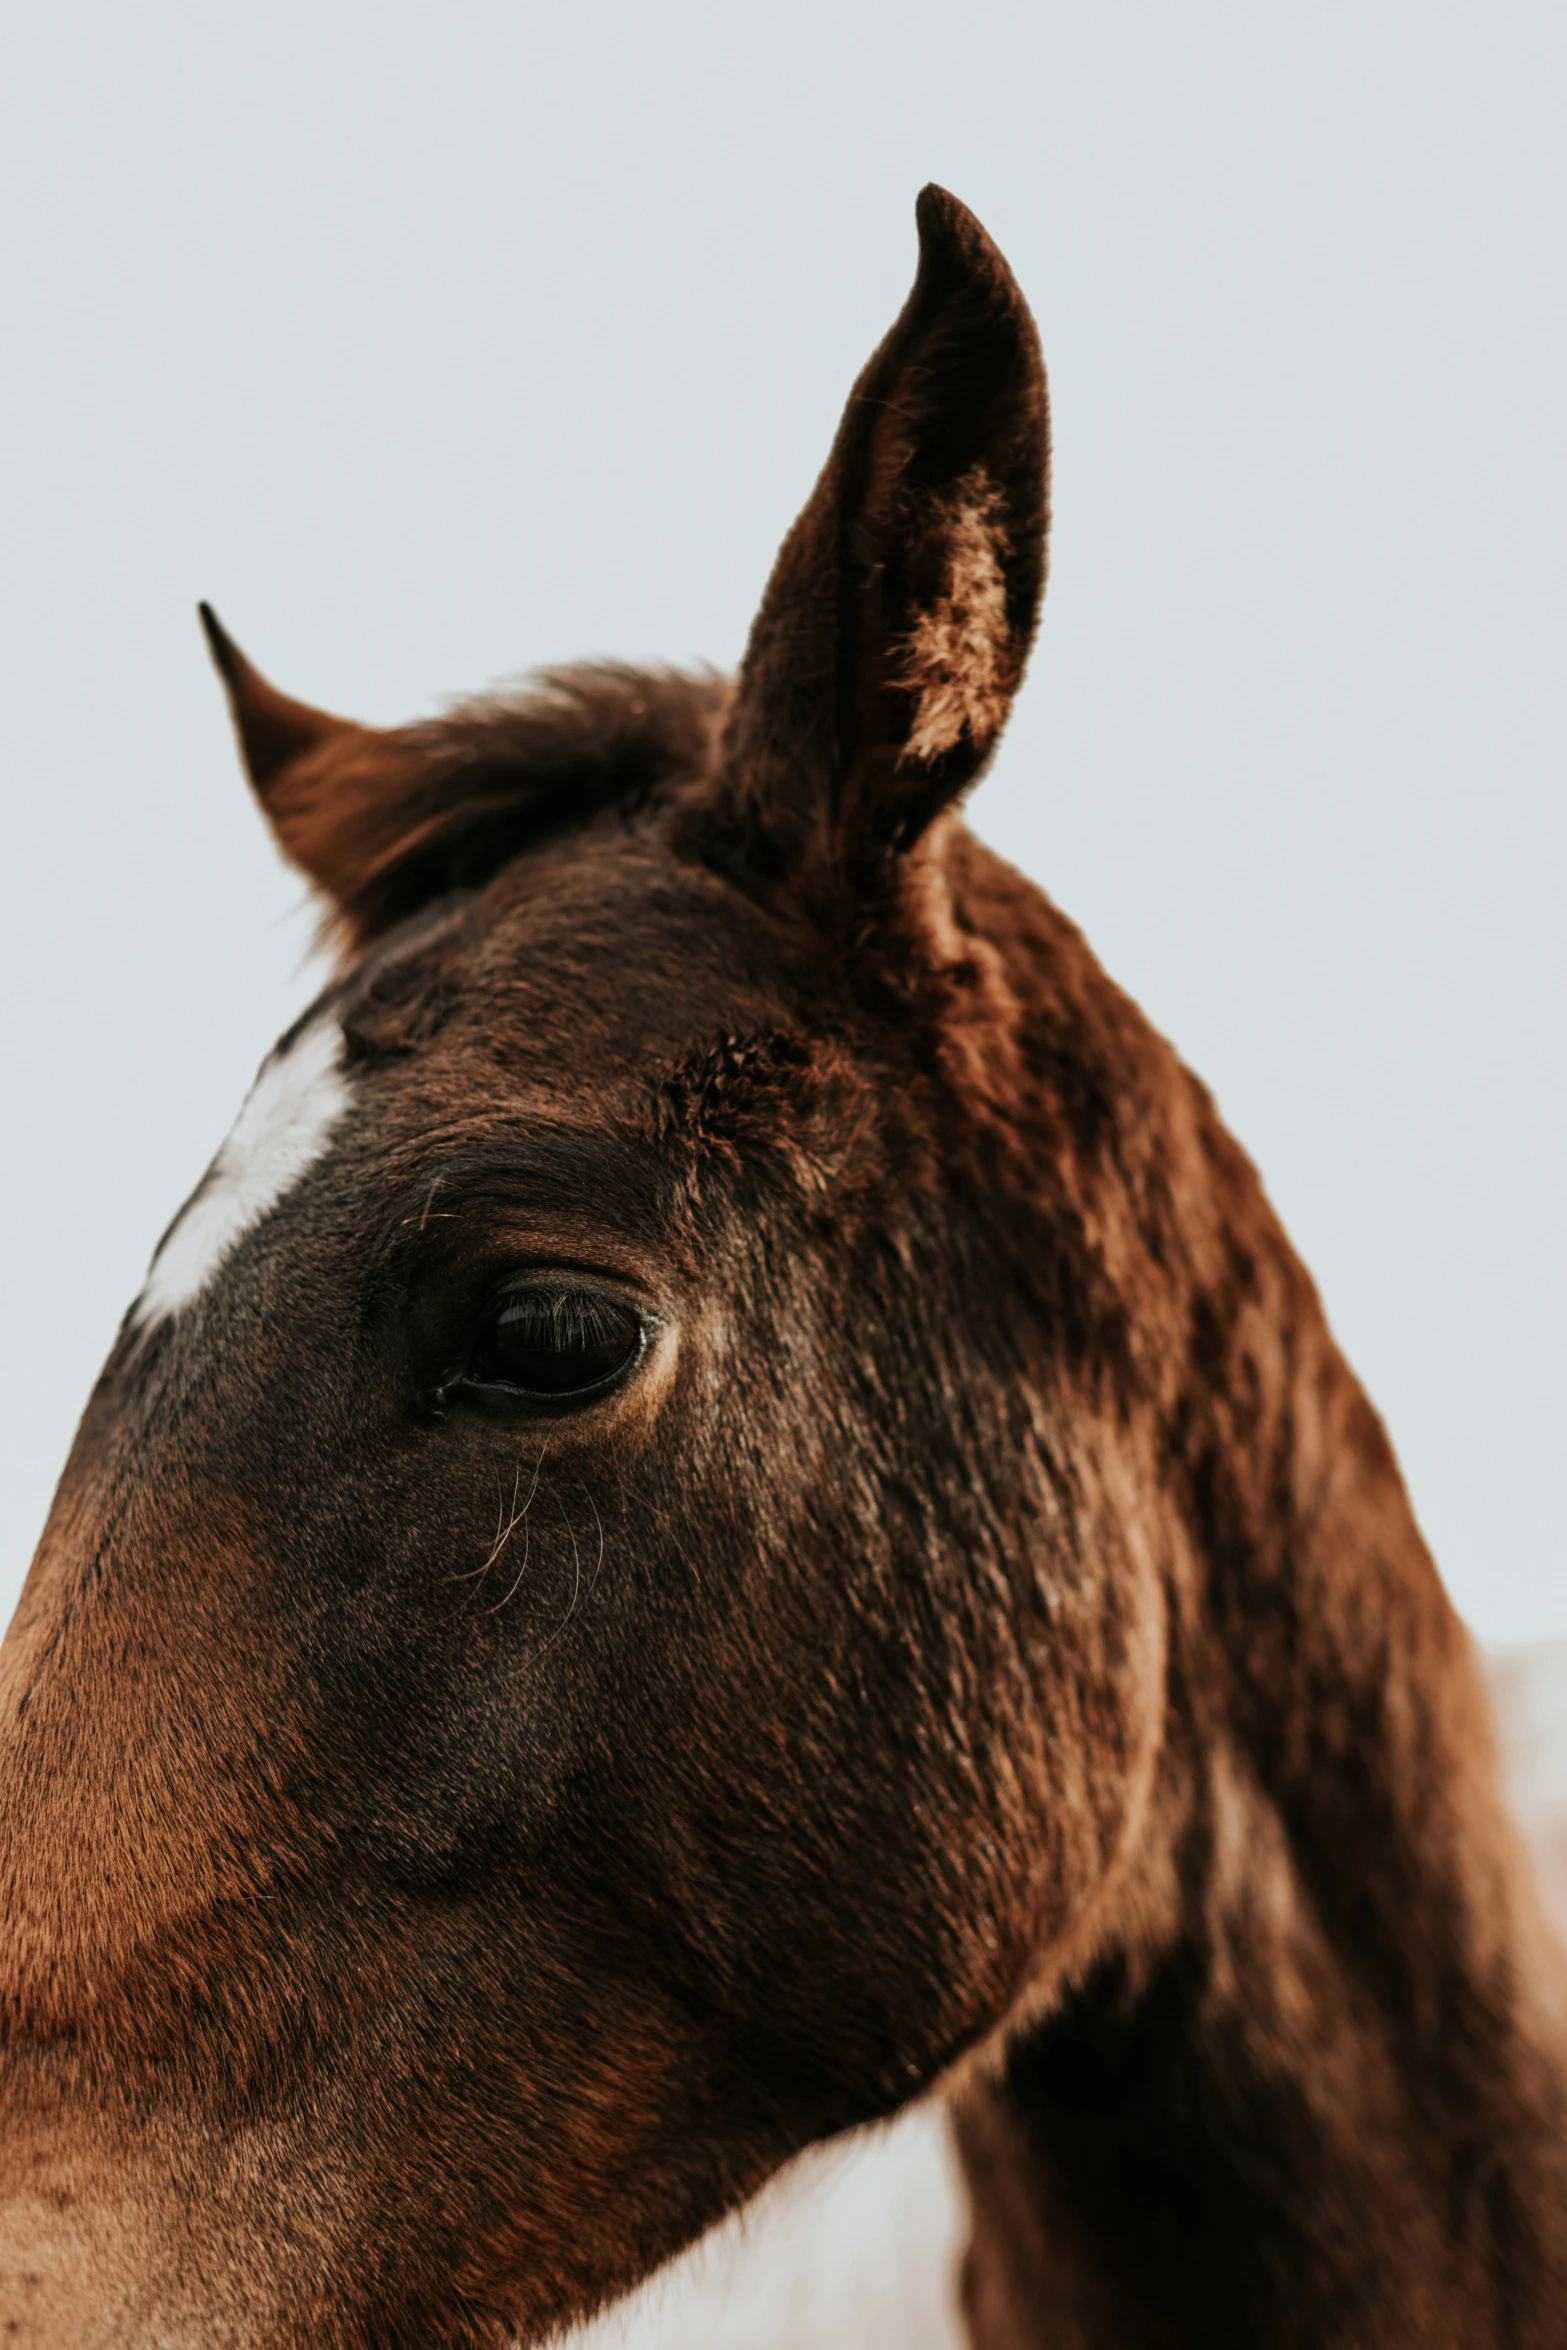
[435,342]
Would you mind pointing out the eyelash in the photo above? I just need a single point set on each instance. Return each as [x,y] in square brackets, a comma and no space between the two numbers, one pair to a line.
[553,1341]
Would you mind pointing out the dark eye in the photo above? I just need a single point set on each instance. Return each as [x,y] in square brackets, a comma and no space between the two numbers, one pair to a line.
[552,1340]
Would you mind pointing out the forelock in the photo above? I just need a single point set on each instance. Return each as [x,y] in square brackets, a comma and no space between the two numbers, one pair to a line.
[445,805]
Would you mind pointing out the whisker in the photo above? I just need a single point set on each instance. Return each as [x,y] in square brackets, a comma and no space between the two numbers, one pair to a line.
[469,1574]
[598,1564]
[513,1521]
[576,1588]
[516,1585]
[632,1495]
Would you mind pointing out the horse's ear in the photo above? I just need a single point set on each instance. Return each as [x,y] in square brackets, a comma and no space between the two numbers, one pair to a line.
[339,796]
[382,820]
[894,630]
[274,732]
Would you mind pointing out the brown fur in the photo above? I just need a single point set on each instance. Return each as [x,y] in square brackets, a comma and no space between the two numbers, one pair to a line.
[452,1854]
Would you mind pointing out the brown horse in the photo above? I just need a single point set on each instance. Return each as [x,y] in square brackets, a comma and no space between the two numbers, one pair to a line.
[728,1504]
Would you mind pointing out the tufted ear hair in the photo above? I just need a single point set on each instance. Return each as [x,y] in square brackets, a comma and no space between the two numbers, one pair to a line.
[895,627]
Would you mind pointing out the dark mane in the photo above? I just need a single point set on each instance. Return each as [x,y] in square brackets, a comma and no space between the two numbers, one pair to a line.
[384,820]
[504,769]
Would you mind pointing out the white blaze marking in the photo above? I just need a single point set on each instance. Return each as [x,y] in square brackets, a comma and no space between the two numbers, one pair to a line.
[285,1124]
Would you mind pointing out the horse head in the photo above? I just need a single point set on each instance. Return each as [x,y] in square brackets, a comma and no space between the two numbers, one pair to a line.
[614,1607]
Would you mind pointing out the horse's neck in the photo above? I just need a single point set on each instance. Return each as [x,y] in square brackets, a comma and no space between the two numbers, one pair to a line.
[1244,2146]
[1314,2088]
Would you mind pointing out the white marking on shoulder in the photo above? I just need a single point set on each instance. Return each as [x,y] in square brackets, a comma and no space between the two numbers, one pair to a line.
[285,1125]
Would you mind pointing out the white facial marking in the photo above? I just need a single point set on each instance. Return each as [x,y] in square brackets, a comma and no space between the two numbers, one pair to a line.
[285,1124]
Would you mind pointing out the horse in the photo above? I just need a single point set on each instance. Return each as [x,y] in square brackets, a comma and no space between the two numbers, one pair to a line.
[727,1510]
[859,2242]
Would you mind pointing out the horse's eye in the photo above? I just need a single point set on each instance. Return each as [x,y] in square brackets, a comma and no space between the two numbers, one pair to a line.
[552,1340]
